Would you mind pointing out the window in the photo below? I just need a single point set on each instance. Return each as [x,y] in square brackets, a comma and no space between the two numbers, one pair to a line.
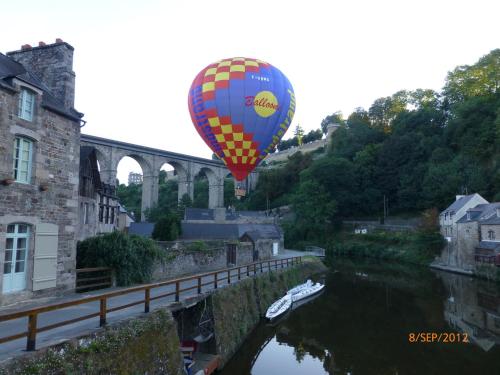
[26,104]
[86,213]
[23,151]
[16,248]
[491,235]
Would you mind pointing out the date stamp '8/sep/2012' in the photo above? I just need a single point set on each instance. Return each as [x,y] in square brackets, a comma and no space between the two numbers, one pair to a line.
[435,337]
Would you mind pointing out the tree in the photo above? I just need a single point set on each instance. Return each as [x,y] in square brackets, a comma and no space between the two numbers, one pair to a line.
[299,133]
[167,227]
[334,118]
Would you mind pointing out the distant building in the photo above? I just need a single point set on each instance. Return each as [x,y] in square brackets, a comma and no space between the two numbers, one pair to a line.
[134,178]
[471,226]
[99,208]
[448,225]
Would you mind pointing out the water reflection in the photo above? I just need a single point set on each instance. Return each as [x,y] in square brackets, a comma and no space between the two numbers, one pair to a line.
[473,307]
[360,325]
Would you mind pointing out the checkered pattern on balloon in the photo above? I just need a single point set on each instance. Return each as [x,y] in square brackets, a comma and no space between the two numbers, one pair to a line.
[241,108]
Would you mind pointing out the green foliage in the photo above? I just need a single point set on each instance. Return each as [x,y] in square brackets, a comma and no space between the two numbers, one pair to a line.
[130,198]
[197,246]
[131,257]
[334,118]
[167,227]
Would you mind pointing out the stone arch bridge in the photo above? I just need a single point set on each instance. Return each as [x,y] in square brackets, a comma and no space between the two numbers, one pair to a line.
[110,152]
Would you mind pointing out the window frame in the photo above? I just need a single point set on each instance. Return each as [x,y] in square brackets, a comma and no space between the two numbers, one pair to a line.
[16,170]
[26,104]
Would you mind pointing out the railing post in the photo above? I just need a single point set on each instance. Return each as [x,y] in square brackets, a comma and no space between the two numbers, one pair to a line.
[254,269]
[276,264]
[102,312]
[287,262]
[293,260]
[147,298]
[269,266]
[261,267]
[281,263]
[215,280]
[199,285]
[248,271]
[229,276]
[177,291]
[32,323]
[239,273]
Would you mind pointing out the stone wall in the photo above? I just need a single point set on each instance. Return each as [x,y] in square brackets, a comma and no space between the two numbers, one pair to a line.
[238,309]
[145,345]
[55,166]
[495,228]
[184,261]
[467,240]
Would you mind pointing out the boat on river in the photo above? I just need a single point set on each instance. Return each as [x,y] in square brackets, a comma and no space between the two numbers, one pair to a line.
[279,307]
[305,290]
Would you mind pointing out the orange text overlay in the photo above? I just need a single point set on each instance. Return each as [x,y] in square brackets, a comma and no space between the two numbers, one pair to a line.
[444,337]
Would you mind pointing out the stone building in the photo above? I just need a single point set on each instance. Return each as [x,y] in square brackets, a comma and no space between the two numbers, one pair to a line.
[40,147]
[98,203]
[448,225]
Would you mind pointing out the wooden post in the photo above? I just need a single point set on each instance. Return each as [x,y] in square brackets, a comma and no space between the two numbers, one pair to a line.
[269,266]
[32,323]
[177,291]
[199,285]
[215,280]
[102,312]
[254,269]
[261,267]
[229,276]
[287,262]
[248,271]
[239,273]
[147,298]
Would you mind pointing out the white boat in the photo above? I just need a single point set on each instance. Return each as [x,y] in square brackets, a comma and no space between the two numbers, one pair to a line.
[300,287]
[305,290]
[279,307]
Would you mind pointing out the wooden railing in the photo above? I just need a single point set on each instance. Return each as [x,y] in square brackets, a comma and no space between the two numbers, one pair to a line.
[93,278]
[228,274]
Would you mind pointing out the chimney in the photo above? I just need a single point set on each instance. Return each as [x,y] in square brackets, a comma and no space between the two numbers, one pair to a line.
[458,197]
[53,65]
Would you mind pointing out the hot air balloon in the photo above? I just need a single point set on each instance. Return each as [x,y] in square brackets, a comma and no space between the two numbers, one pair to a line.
[241,108]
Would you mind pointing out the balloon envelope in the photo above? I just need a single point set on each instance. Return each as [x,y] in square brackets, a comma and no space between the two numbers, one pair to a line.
[241,108]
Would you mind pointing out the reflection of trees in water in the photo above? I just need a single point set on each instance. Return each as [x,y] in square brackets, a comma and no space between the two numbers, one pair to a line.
[361,324]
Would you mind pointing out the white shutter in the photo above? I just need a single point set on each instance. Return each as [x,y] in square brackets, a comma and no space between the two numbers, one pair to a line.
[45,258]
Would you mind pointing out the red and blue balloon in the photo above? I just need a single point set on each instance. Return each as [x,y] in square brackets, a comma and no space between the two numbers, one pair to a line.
[241,108]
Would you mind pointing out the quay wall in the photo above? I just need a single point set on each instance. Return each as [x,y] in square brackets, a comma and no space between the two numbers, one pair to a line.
[150,344]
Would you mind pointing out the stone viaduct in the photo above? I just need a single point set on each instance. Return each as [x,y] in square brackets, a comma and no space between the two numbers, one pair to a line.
[110,152]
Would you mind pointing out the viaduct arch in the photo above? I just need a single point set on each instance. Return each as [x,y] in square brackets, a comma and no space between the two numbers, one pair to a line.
[109,153]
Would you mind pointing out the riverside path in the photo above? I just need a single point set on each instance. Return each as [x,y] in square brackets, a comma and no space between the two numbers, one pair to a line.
[113,305]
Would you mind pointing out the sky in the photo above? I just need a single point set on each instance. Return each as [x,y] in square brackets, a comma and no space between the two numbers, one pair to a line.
[135,60]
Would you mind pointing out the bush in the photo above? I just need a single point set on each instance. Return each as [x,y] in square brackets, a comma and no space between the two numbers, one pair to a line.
[167,228]
[132,257]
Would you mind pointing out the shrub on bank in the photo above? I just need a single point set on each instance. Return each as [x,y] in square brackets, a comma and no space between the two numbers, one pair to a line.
[417,247]
[131,257]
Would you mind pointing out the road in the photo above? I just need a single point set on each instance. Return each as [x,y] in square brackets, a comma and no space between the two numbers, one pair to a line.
[47,338]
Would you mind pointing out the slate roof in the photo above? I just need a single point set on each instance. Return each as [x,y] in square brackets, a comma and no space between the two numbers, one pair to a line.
[10,69]
[489,245]
[458,204]
[228,231]
[484,213]
[199,214]
[208,214]
[143,229]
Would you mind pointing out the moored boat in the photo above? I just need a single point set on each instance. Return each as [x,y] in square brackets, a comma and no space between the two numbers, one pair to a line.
[305,290]
[279,307]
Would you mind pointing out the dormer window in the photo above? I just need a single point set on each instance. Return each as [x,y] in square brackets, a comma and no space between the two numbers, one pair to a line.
[26,104]
[491,235]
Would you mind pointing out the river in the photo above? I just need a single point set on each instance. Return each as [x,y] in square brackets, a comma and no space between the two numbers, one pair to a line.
[362,322]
